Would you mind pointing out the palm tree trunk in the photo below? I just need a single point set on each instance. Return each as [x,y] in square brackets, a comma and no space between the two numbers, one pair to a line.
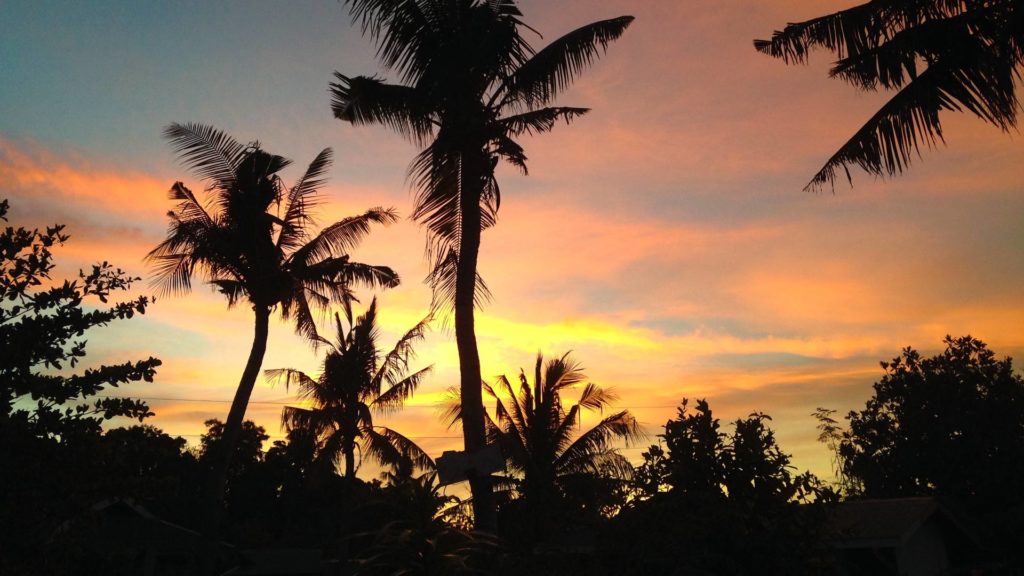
[350,463]
[474,438]
[233,427]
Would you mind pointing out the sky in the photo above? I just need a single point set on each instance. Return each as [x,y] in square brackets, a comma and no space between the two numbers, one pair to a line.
[663,238]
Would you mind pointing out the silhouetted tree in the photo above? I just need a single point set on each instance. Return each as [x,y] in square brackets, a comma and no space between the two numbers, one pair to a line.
[51,411]
[726,503]
[650,477]
[950,426]
[355,381]
[553,463]
[42,326]
[248,447]
[937,55]
[250,254]
[152,468]
[472,84]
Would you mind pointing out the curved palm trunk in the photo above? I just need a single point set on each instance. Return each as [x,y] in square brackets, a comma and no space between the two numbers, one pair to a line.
[474,438]
[233,426]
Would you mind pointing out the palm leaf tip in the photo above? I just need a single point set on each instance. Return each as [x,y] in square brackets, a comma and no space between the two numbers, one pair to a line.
[551,70]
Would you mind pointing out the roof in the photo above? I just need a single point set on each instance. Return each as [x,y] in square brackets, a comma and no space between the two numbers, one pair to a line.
[886,522]
[122,523]
[279,561]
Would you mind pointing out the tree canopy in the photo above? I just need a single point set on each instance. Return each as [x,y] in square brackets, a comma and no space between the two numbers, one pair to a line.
[43,323]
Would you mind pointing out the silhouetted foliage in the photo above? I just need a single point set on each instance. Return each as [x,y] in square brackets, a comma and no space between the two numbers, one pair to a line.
[248,448]
[248,253]
[950,426]
[42,327]
[651,476]
[724,503]
[401,549]
[355,382]
[562,476]
[471,85]
[935,54]
[50,416]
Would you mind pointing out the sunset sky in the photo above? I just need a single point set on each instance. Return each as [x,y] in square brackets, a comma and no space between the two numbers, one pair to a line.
[663,238]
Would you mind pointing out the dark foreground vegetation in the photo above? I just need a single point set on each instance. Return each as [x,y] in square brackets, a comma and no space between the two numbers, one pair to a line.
[708,498]
[929,473]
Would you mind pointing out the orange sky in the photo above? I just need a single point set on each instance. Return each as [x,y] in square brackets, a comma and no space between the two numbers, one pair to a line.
[663,237]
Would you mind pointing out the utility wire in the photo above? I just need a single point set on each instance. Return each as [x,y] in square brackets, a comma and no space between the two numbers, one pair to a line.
[282,403]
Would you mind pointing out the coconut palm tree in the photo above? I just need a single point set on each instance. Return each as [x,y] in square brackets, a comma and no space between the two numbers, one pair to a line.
[540,437]
[269,260]
[936,54]
[471,85]
[355,382]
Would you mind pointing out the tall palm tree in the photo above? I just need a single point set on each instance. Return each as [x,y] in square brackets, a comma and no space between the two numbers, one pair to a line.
[355,382]
[237,245]
[470,85]
[936,54]
[540,438]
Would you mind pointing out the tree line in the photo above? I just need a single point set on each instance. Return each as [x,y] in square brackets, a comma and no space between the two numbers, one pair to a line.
[470,84]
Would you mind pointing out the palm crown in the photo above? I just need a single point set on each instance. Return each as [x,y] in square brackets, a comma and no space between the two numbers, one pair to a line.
[472,84]
[355,382]
[540,438]
[236,243]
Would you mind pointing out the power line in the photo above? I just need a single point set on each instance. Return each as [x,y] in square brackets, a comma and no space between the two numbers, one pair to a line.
[212,400]
[282,403]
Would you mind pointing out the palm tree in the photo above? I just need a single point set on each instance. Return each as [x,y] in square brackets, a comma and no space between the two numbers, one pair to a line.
[471,84]
[247,253]
[538,435]
[355,382]
[936,54]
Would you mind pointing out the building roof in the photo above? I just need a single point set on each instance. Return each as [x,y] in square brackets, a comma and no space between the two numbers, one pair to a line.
[280,561]
[877,523]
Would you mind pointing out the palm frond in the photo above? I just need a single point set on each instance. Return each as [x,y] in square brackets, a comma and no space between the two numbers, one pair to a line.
[887,142]
[408,449]
[437,178]
[212,154]
[562,373]
[618,426]
[852,31]
[441,280]
[971,56]
[296,418]
[396,362]
[301,199]
[296,307]
[365,100]
[553,69]
[189,207]
[400,28]
[342,236]
[595,398]
[451,408]
[290,377]
[172,273]
[519,404]
[395,396]
[538,121]
[233,290]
